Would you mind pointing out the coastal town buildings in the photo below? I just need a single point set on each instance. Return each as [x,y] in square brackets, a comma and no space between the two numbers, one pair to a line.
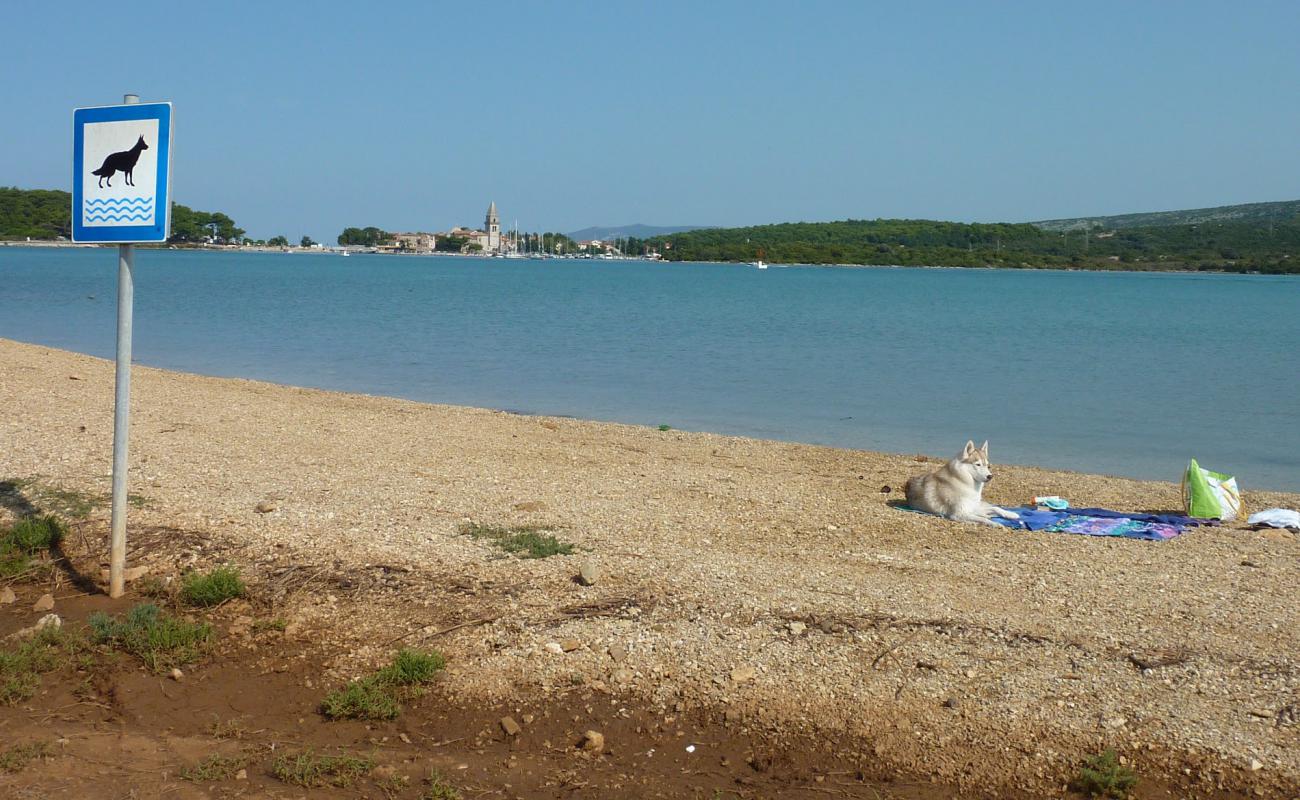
[415,242]
[487,241]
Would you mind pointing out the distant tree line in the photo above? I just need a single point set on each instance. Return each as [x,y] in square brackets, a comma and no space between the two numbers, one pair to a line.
[1270,247]
[364,237]
[1253,245]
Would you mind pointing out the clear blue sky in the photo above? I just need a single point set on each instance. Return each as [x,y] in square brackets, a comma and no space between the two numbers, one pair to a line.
[307,117]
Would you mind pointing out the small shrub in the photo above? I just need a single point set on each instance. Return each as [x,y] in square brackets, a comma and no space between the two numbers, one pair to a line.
[158,639]
[665,427]
[214,768]
[1104,776]
[310,770]
[15,758]
[524,541]
[212,588]
[30,535]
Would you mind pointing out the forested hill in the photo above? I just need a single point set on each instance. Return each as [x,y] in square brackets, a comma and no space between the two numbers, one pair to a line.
[46,214]
[1272,246]
[1288,210]
[34,213]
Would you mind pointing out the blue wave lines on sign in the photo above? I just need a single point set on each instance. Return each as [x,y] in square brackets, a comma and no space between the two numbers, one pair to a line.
[117,209]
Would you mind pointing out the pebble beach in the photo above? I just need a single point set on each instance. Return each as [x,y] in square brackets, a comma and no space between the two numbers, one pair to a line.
[765,583]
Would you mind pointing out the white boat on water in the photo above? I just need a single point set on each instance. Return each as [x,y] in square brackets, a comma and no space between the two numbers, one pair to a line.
[760,264]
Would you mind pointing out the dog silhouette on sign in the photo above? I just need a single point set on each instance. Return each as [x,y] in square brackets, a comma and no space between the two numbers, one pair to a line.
[123,162]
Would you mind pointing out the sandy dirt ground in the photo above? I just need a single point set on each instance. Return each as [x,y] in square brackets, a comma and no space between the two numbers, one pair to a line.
[765,589]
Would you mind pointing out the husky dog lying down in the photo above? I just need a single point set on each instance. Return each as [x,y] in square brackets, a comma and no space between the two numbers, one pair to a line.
[956,489]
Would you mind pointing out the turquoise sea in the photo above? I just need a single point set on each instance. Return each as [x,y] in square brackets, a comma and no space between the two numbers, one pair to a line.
[1125,373]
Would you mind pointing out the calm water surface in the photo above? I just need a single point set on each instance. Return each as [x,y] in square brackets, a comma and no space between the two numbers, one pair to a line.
[1129,374]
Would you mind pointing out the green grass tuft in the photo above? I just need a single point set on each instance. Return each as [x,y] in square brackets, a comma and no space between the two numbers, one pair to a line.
[214,768]
[377,696]
[158,639]
[21,668]
[1103,776]
[310,770]
[439,788]
[363,699]
[411,668]
[524,541]
[29,536]
[14,759]
[665,427]
[212,588]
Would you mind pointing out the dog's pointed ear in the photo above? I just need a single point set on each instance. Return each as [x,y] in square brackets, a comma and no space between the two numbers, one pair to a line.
[984,448]
[968,449]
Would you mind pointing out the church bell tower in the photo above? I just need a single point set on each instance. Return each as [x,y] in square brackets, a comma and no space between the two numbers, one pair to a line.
[492,225]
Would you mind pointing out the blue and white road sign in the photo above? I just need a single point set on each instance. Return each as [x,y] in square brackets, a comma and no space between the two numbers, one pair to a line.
[121,173]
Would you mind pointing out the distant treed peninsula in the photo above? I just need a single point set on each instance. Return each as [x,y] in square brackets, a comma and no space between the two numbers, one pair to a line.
[1256,237]
[1267,239]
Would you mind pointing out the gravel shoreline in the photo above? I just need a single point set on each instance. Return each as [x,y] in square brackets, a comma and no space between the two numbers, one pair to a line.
[766,582]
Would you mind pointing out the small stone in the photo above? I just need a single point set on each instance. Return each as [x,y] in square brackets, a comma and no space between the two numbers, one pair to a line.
[404,738]
[176,674]
[731,716]
[797,628]
[588,574]
[46,603]
[617,652]
[970,673]
[622,675]
[832,528]
[528,719]
[553,647]
[1256,765]
[569,645]
[511,727]
[592,741]
[951,702]
[242,775]
[743,674]
[49,621]
[7,596]
[265,507]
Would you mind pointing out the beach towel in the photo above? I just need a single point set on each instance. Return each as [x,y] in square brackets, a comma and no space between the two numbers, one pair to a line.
[1086,525]
[1099,522]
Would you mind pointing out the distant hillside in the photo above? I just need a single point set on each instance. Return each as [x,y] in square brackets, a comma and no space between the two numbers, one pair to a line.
[637,231]
[1285,211]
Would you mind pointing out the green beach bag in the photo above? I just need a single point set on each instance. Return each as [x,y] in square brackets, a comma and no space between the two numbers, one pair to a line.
[1210,495]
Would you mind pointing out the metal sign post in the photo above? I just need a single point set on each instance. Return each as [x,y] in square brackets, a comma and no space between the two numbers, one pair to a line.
[137,209]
